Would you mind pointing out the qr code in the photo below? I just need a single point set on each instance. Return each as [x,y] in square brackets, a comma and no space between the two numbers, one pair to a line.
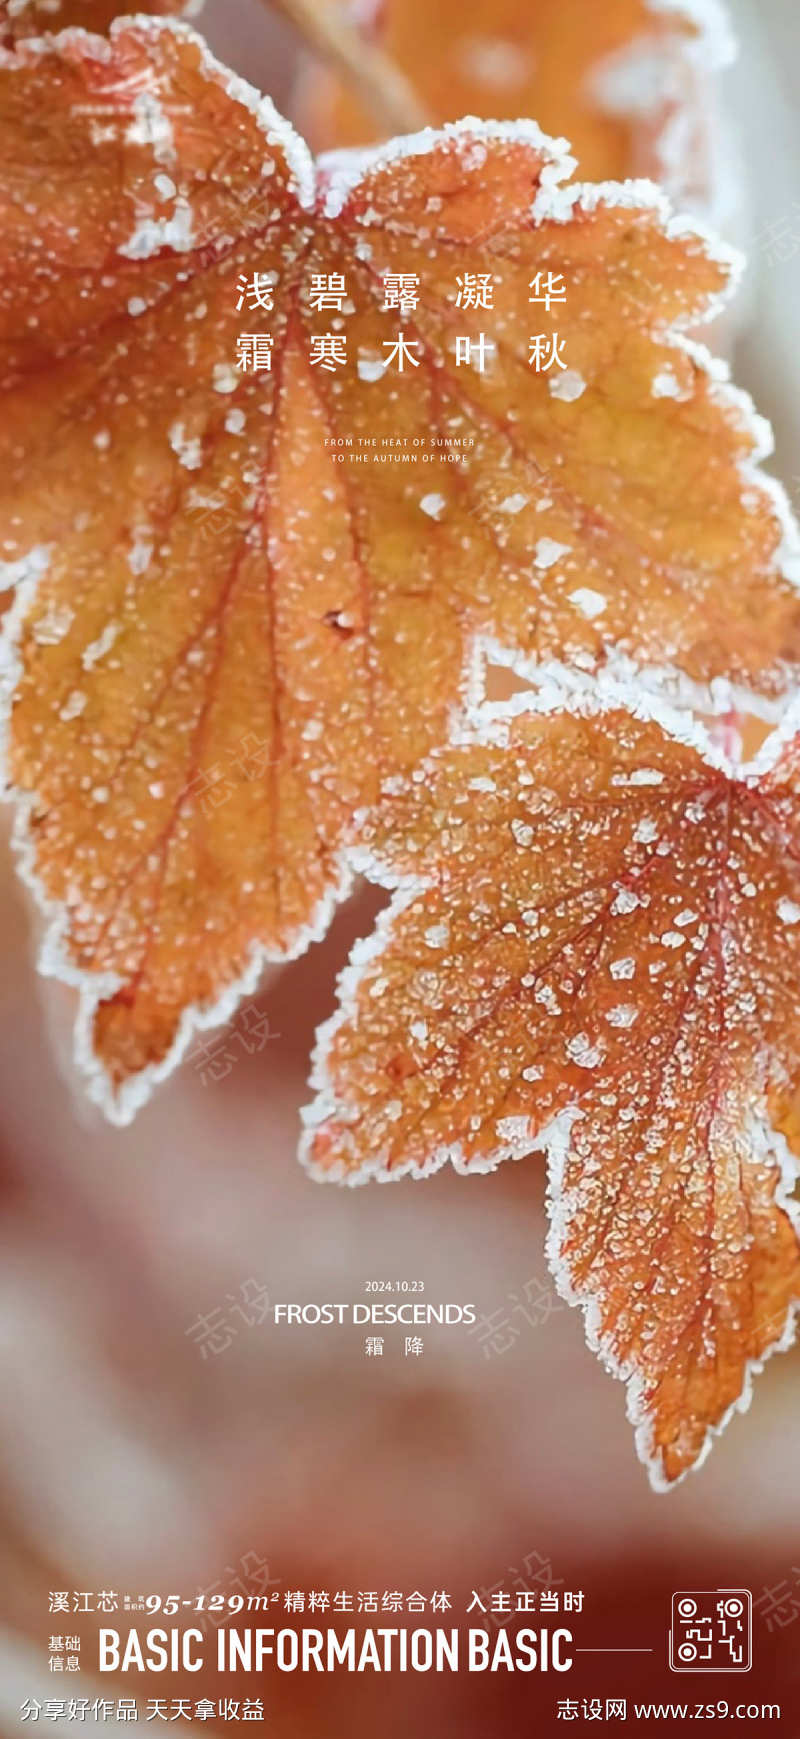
[711,1631]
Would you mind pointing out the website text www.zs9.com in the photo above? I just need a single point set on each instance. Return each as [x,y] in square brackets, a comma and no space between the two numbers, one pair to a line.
[620,1709]
[707,1711]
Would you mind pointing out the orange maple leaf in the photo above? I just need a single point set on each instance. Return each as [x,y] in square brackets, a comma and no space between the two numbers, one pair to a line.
[594,947]
[20,19]
[225,635]
[614,77]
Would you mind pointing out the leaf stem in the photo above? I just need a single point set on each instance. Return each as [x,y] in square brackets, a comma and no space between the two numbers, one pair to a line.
[380,84]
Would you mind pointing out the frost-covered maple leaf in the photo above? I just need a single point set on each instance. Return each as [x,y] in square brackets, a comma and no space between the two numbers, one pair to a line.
[594,948]
[230,625]
[631,82]
[26,18]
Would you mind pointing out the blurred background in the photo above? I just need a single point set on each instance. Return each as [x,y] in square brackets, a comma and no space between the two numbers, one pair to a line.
[159,1435]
